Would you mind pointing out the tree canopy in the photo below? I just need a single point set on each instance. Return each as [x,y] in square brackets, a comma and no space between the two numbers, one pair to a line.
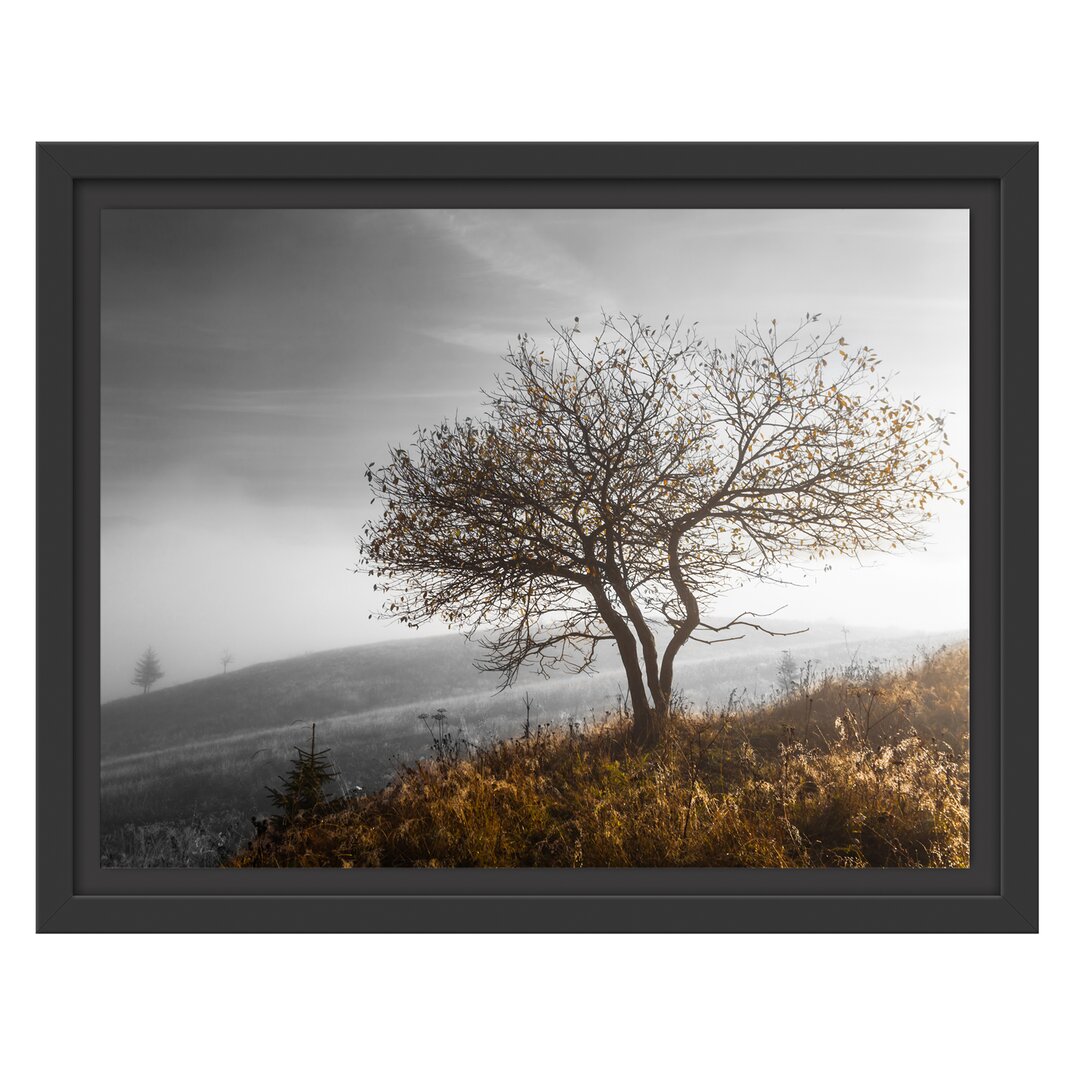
[617,484]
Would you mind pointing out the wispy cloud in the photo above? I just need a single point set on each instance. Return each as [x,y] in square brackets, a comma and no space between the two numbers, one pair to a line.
[511,245]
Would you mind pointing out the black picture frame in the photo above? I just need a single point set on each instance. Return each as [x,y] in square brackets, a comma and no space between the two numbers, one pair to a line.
[998,182]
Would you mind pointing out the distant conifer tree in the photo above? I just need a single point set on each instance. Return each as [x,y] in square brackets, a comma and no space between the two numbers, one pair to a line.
[787,674]
[303,787]
[147,670]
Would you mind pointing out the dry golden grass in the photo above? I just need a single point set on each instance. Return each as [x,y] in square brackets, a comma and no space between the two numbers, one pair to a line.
[861,768]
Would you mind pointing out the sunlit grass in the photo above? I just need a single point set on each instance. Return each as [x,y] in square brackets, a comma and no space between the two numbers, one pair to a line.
[855,768]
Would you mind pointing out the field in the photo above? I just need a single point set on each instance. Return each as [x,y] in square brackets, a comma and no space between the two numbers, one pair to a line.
[860,768]
[185,769]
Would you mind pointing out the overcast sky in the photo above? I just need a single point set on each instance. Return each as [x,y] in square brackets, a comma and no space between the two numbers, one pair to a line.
[253,361]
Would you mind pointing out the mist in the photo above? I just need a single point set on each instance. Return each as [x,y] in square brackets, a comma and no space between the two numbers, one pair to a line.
[254,361]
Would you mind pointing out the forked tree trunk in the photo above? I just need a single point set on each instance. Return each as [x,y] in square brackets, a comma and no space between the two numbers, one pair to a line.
[650,715]
[650,718]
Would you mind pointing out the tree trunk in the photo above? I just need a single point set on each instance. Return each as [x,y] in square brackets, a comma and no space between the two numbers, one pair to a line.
[648,721]
[645,731]
[639,699]
[649,716]
[649,726]
[650,658]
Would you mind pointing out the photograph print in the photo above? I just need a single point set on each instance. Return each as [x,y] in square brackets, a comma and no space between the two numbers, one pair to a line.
[534,538]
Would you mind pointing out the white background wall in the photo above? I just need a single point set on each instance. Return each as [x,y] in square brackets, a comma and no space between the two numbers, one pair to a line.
[784,1006]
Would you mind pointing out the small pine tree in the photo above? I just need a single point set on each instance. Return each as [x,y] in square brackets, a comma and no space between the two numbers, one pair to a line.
[303,787]
[787,674]
[147,670]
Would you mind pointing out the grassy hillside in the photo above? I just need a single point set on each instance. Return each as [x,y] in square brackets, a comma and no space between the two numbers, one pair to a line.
[201,754]
[859,768]
[370,679]
[265,696]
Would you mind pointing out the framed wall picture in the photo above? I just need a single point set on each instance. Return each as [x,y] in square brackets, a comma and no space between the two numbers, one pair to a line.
[619,537]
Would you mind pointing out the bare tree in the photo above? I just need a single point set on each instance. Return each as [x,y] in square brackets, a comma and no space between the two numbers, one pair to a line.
[147,670]
[615,485]
[225,660]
